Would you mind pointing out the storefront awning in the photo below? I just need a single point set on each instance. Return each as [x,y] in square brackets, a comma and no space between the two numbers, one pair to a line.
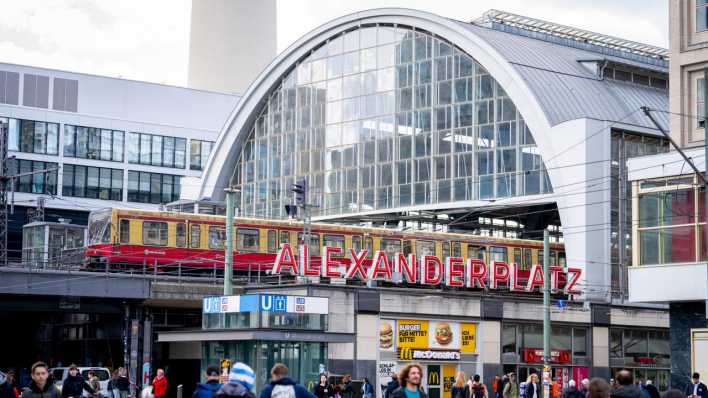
[279,335]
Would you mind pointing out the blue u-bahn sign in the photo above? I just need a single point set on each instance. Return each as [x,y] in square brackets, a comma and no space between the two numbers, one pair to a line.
[266,303]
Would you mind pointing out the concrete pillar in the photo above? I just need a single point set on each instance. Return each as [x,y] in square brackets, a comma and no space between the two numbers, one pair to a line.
[367,344]
[600,352]
[340,358]
[489,342]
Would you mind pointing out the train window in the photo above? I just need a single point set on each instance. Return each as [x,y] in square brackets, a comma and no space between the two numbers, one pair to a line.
[284,237]
[124,226]
[272,241]
[456,249]
[314,246]
[335,241]
[561,259]
[497,253]
[391,247]
[217,237]
[155,233]
[248,240]
[526,261]
[424,248]
[478,252]
[181,235]
[194,235]
[554,259]
[517,255]
[369,247]
[407,247]
[445,250]
[356,243]
[540,257]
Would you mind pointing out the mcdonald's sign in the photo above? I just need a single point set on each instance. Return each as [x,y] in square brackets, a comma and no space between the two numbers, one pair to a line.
[413,354]
[405,354]
[433,378]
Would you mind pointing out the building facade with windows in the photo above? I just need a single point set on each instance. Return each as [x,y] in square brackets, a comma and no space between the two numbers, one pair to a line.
[109,142]
[669,219]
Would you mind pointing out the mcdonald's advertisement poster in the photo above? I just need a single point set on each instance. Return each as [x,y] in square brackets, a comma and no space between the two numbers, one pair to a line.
[427,339]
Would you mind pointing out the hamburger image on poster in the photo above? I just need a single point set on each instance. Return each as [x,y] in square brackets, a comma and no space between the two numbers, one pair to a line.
[386,334]
[444,335]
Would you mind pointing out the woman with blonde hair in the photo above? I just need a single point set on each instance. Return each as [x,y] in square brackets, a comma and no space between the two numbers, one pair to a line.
[460,388]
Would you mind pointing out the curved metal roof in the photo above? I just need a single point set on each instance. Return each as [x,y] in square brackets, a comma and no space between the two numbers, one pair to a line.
[567,90]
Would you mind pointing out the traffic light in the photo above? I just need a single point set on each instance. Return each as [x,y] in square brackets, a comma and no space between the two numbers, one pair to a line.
[300,190]
[291,211]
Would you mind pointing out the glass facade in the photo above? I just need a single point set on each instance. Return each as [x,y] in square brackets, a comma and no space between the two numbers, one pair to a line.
[32,136]
[383,117]
[199,153]
[157,150]
[144,187]
[646,352]
[92,182]
[93,143]
[42,183]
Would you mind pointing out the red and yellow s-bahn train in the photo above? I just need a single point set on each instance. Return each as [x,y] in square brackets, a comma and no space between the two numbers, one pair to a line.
[139,238]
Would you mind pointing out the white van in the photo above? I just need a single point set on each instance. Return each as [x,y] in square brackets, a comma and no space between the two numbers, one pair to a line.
[103,374]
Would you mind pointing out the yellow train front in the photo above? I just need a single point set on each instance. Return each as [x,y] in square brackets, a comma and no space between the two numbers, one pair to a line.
[163,240]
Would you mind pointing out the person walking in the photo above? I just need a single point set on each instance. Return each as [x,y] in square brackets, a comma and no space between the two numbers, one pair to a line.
[74,384]
[123,382]
[572,391]
[478,389]
[282,386]
[159,384]
[112,389]
[211,385]
[652,390]
[533,387]
[95,384]
[367,390]
[511,389]
[460,388]
[8,388]
[584,387]
[323,389]
[625,386]
[598,388]
[410,378]
[696,389]
[392,385]
[241,379]
[347,390]
[40,386]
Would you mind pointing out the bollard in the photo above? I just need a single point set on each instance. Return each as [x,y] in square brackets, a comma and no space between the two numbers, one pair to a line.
[179,391]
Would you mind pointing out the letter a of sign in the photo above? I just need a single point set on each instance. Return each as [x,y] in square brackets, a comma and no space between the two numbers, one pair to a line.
[535,278]
[285,260]
[380,267]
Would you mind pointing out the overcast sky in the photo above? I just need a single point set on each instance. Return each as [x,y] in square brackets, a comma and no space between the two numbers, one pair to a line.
[148,39]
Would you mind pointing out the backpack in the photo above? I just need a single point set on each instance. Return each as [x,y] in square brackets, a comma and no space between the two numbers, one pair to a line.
[283,391]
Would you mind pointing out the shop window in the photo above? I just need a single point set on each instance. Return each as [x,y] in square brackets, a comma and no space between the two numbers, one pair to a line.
[155,233]
[580,346]
[124,226]
[194,235]
[272,241]
[217,237]
[509,349]
[248,240]
[181,235]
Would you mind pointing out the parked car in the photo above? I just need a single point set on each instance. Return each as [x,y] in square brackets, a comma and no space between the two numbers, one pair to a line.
[104,375]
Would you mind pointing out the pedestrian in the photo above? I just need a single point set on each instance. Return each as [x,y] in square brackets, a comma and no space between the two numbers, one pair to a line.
[584,387]
[625,386]
[159,384]
[572,391]
[241,379]
[409,378]
[211,385]
[511,389]
[94,383]
[460,388]
[696,389]
[495,384]
[346,389]
[41,386]
[598,388]
[498,387]
[478,389]
[652,390]
[74,384]
[323,389]
[533,388]
[367,390]
[112,387]
[123,383]
[8,389]
[282,386]
[557,388]
[392,385]
[522,389]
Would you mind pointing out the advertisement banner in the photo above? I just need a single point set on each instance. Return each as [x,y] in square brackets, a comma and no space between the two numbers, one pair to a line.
[412,333]
[448,380]
[386,369]
[468,332]
[386,334]
[444,335]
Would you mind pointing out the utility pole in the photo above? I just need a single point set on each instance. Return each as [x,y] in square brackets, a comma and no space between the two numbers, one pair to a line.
[546,315]
[4,179]
[229,247]
[300,190]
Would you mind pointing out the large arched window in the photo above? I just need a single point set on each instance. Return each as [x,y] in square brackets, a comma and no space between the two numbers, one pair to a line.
[387,117]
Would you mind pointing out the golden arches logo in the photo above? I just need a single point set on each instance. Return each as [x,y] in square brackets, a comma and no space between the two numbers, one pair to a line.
[433,378]
[406,354]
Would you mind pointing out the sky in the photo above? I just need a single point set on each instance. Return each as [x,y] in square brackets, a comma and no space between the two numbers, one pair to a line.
[149,39]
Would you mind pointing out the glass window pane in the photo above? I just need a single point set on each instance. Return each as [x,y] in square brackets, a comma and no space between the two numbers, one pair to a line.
[69,140]
[145,188]
[247,240]
[67,180]
[117,184]
[106,144]
[134,148]
[81,142]
[40,137]
[155,187]
[104,184]
[13,134]
[27,137]
[52,138]
[94,143]
[195,152]
[117,146]
[217,237]
[133,186]
[80,181]
[156,150]
[92,182]
[166,189]
[180,149]
[145,148]
[194,236]
[155,233]
[168,151]
[181,235]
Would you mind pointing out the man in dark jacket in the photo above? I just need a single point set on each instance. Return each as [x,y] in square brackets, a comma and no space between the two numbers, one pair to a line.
[209,388]
[123,383]
[696,389]
[572,391]
[652,390]
[409,378]
[392,386]
[74,384]
[281,386]
[347,388]
[41,385]
[625,386]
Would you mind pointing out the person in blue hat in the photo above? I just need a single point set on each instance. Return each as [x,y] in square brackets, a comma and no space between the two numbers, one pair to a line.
[241,380]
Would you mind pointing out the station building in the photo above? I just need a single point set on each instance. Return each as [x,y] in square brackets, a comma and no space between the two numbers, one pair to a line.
[396,118]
